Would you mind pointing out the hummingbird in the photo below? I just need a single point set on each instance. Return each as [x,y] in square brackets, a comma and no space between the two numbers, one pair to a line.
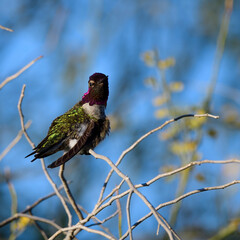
[79,129]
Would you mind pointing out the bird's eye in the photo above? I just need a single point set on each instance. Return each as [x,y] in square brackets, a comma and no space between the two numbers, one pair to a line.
[91,83]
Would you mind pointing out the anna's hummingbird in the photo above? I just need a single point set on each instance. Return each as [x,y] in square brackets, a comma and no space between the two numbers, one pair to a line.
[81,128]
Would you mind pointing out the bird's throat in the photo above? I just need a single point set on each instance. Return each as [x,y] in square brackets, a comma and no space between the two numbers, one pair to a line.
[97,111]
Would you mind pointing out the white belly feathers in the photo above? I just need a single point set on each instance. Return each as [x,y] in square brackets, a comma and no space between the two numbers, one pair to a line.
[97,111]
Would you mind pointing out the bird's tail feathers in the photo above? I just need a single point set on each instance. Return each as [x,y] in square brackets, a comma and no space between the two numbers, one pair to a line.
[30,154]
[76,148]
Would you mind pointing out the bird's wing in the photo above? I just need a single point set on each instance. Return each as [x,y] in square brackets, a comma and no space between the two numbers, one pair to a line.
[50,144]
[60,129]
[77,147]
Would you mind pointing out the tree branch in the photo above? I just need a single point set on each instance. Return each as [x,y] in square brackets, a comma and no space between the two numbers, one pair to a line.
[42,160]
[14,141]
[80,226]
[131,186]
[145,136]
[8,79]
[128,214]
[5,28]
[68,193]
[179,199]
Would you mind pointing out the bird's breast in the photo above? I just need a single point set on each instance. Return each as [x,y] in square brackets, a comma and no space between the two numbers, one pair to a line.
[95,110]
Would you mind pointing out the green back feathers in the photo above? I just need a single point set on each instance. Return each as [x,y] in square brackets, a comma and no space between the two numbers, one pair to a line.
[64,125]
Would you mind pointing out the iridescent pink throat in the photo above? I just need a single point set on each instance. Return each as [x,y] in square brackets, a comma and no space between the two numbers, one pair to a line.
[86,99]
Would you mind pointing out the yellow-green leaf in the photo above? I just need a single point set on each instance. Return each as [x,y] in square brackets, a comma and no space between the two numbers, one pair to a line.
[21,224]
[158,101]
[196,156]
[149,58]
[176,86]
[195,123]
[161,113]
[151,81]
[168,168]
[169,133]
[179,148]
[200,177]
[212,133]
[169,62]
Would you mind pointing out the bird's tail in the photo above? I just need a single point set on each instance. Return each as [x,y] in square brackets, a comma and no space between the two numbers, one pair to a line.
[75,149]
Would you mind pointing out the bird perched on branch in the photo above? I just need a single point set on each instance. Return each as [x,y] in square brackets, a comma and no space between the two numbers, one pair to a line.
[79,129]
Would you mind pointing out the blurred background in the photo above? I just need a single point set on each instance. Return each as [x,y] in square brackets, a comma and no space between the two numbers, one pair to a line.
[164,59]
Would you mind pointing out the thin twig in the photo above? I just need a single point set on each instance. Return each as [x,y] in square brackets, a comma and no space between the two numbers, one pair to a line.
[70,233]
[97,221]
[159,128]
[78,226]
[169,174]
[197,191]
[60,174]
[19,106]
[29,208]
[145,136]
[8,79]
[128,214]
[42,160]
[40,219]
[119,209]
[14,141]
[101,201]
[5,28]
[131,186]
[169,227]
[68,193]
[103,206]
[179,199]
[191,164]
[96,211]
[54,186]
[44,235]
[41,200]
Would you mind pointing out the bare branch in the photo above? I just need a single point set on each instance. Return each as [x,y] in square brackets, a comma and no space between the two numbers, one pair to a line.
[68,193]
[103,206]
[5,28]
[197,191]
[78,226]
[71,200]
[29,208]
[159,128]
[8,79]
[119,209]
[42,160]
[21,115]
[14,141]
[104,220]
[169,227]
[100,201]
[191,164]
[97,221]
[145,136]
[131,186]
[60,174]
[179,199]
[40,219]
[44,235]
[128,215]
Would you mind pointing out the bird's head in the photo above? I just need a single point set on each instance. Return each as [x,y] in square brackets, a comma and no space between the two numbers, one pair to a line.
[97,90]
